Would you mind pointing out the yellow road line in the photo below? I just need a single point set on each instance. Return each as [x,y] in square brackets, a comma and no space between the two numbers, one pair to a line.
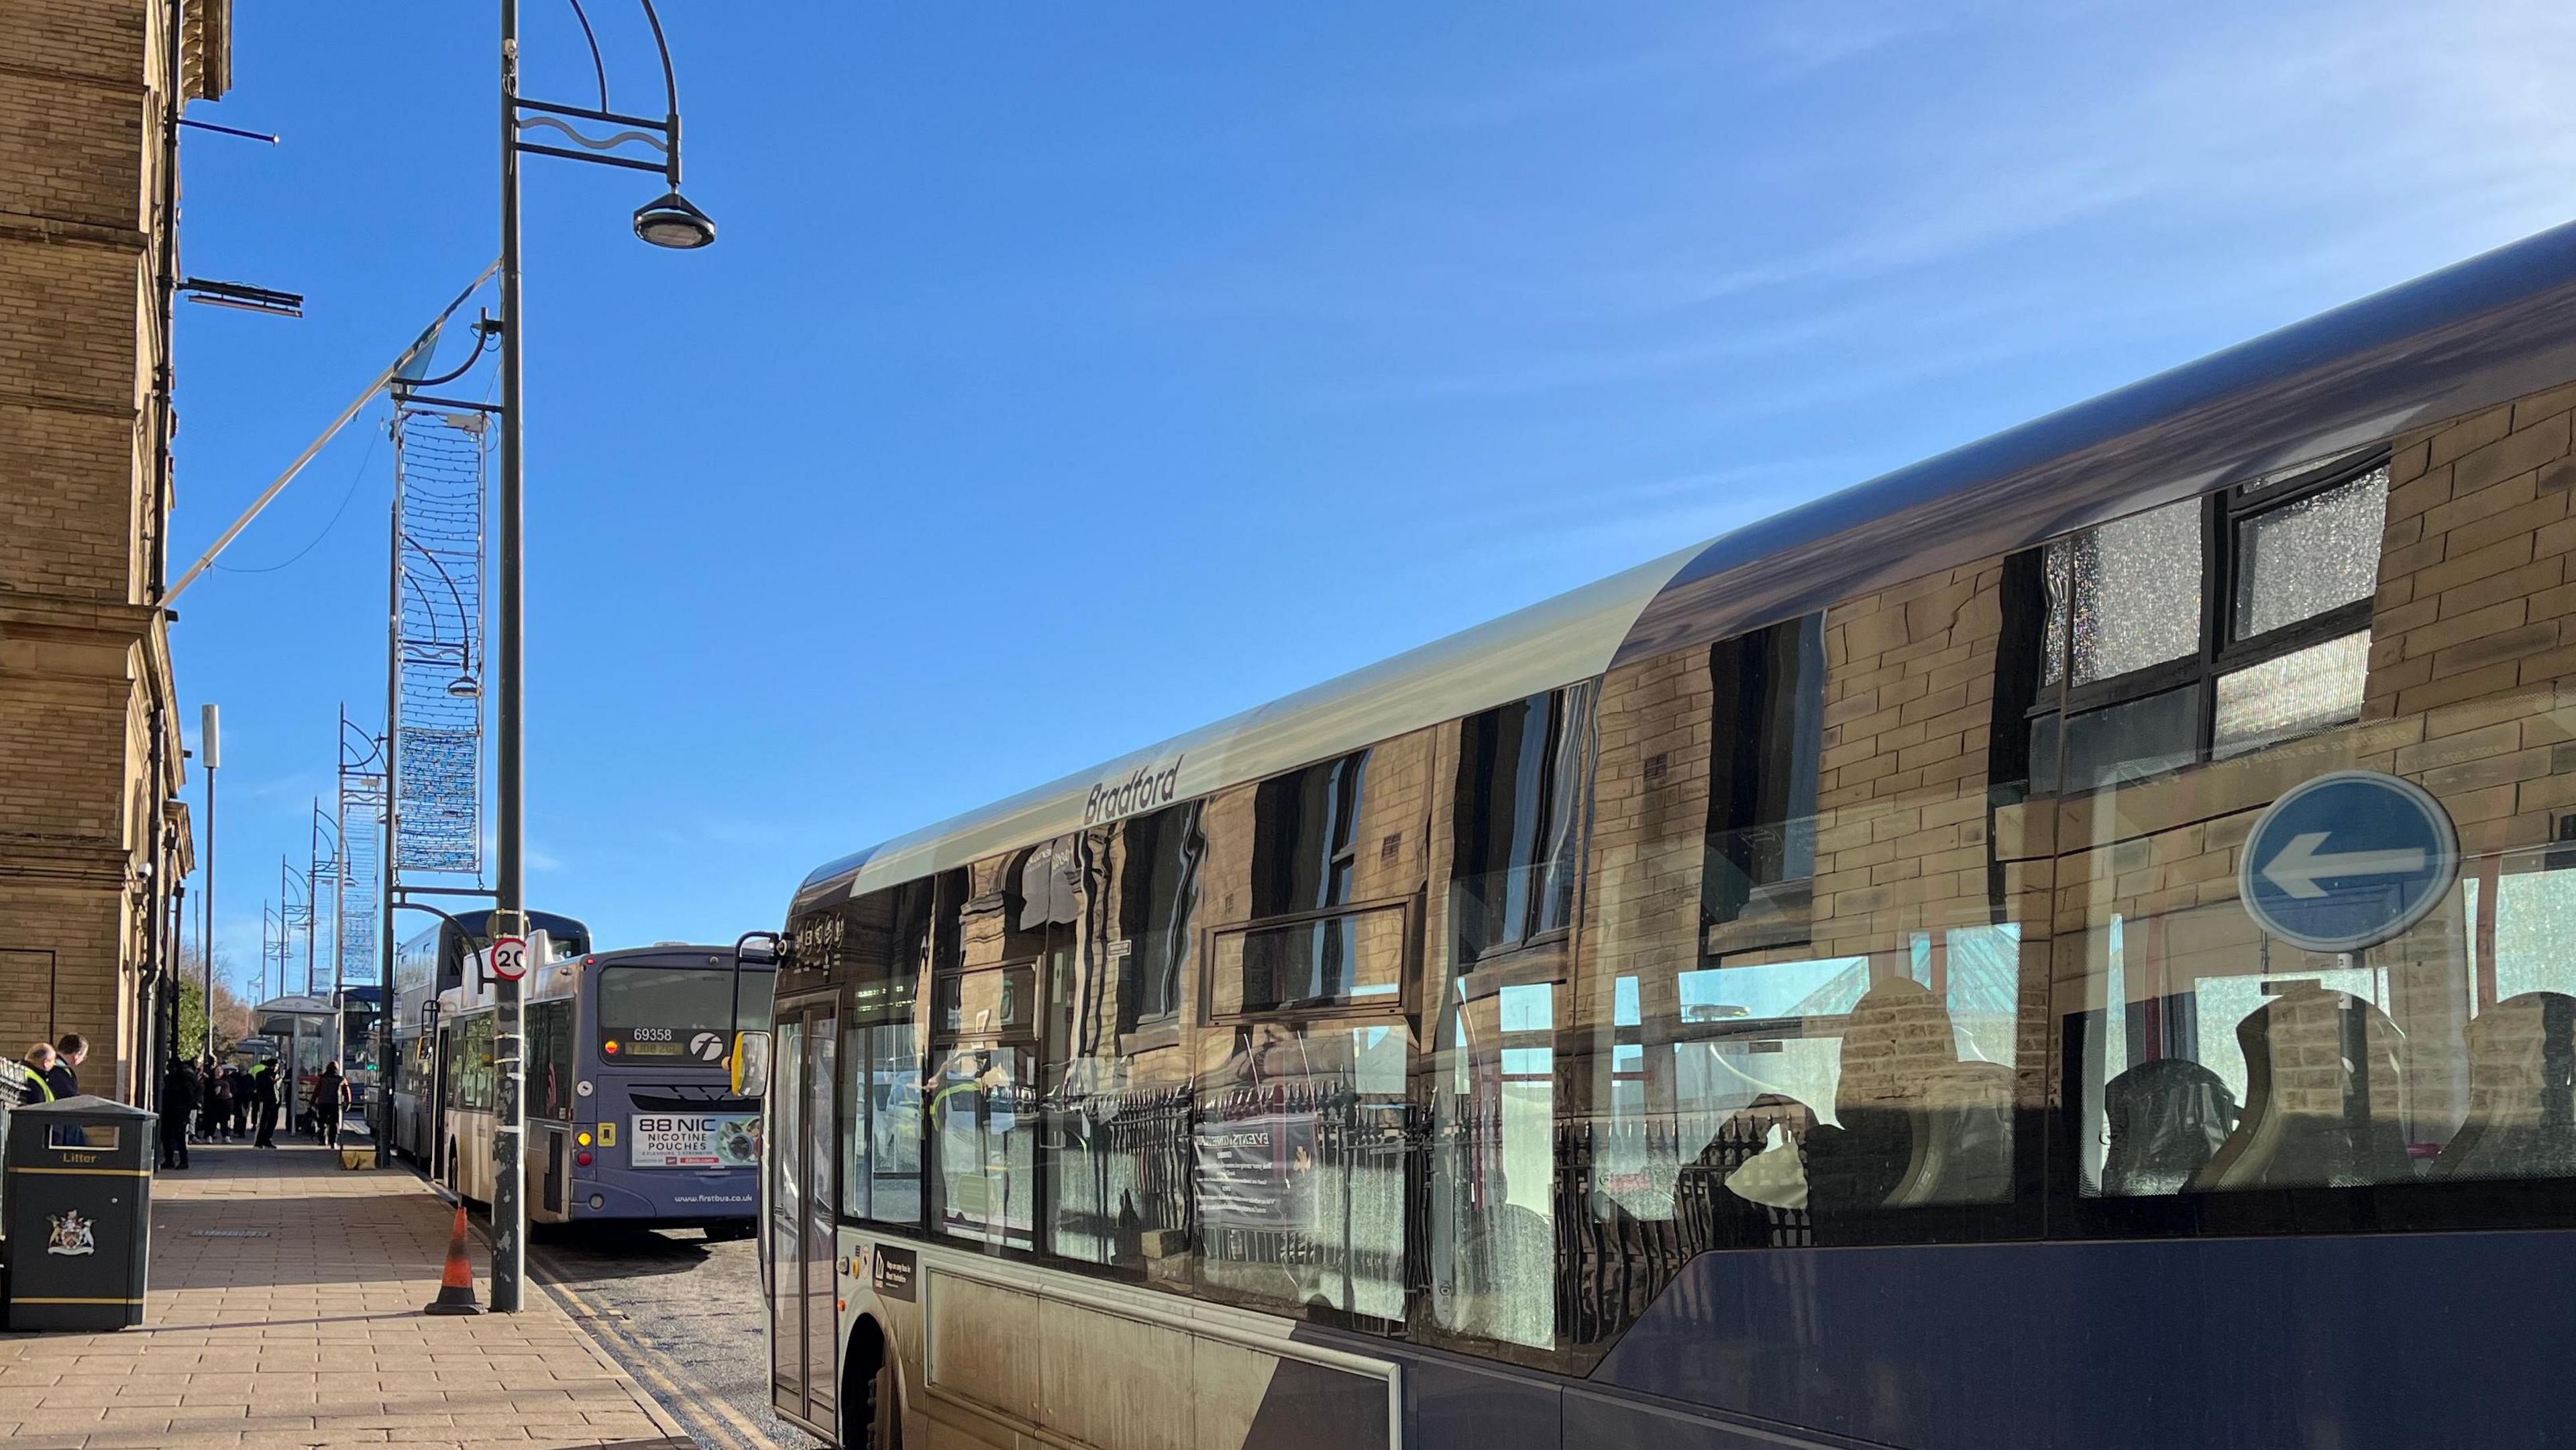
[652,1375]
[723,1409]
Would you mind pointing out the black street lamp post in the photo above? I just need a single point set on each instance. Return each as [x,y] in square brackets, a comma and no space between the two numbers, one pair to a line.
[666,221]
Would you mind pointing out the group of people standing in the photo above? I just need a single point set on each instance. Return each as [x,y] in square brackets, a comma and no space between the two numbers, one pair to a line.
[232,1099]
[202,1101]
[225,1104]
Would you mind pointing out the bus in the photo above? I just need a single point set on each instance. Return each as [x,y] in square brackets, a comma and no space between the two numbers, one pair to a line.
[631,1116]
[2071,943]
[425,966]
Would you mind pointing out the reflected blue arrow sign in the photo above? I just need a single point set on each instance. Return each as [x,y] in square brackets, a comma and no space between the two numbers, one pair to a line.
[2347,860]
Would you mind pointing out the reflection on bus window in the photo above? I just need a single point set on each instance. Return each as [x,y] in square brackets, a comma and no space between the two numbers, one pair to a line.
[1806,1010]
[1299,1151]
[2269,1067]
[1520,789]
[1336,961]
[983,1115]
[2219,1060]
[883,1082]
[1766,719]
[475,1074]
[550,1060]
[1860,1083]
[1158,867]
[1493,1249]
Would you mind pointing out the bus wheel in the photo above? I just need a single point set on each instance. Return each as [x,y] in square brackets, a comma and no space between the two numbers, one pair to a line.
[871,1410]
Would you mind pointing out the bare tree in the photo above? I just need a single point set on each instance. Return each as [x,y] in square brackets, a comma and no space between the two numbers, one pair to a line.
[231,1010]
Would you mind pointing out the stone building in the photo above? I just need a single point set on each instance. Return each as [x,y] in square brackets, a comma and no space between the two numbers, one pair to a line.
[93,838]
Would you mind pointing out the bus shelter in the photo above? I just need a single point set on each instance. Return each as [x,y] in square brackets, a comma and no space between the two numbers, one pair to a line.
[304,1031]
[363,1049]
[299,1027]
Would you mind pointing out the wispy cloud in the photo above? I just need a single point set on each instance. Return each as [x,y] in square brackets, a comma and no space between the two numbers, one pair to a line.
[2426,116]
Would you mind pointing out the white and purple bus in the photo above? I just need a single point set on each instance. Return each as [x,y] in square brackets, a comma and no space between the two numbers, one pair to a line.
[630,1113]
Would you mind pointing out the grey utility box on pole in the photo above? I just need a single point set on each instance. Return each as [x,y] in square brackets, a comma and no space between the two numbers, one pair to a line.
[78,1208]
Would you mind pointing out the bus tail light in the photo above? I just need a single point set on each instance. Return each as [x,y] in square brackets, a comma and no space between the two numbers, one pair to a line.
[582,1157]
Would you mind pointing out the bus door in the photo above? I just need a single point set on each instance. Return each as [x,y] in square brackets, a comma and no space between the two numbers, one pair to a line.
[799,1159]
[436,1110]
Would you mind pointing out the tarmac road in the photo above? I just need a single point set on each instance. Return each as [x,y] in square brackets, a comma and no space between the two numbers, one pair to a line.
[684,1317]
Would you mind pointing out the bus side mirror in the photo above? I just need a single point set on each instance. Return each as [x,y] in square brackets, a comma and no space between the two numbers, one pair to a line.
[750,1064]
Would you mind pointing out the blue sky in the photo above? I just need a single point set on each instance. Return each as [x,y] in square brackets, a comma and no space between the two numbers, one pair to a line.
[1066,376]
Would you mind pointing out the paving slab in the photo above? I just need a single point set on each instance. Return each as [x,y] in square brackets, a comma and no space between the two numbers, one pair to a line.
[284,1312]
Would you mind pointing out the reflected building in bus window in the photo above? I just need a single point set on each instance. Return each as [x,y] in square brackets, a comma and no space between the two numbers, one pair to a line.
[1808,1004]
[2389,616]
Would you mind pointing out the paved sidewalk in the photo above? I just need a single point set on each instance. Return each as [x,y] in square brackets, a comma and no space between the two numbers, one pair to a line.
[311,1336]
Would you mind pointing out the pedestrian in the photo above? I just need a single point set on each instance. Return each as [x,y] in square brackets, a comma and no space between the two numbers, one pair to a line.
[62,1076]
[29,1078]
[27,1075]
[215,1118]
[180,1090]
[239,1079]
[263,1101]
[330,1098]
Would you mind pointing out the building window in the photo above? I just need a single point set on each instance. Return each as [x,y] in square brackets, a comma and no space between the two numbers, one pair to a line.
[1305,865]
[1158,893]
[1521,770]
[1766,729]
[1305,823]
[2205,629]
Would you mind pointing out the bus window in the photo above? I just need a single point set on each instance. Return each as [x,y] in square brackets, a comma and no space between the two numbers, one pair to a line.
[983,1124]
[1304,1124]
[2221,1065]
[1800,1012]
[1299,1154]
[451,1061]
[1518,833]
[982,1092]
[550,1060]
[475,1070]
[1123,902]
[666,1013]
[1159,856]
[876,942]
[1516,851]
[881,1101]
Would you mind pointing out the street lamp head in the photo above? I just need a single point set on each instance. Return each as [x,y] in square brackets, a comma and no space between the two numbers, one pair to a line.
[464,687]
[669,220]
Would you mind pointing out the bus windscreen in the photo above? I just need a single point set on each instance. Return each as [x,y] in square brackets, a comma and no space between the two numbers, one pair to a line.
[665,1013]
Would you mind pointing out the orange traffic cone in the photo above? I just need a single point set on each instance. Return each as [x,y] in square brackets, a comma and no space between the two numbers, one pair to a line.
[456,1282]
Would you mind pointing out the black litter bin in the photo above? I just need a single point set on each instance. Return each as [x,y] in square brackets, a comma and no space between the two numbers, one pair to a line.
[78,1209]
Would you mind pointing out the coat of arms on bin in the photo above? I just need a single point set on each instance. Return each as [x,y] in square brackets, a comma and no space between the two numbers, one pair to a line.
[73,1234]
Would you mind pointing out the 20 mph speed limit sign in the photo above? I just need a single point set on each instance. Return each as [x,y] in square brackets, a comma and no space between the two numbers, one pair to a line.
[509,958]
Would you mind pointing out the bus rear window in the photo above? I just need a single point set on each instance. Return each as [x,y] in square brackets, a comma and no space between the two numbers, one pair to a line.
[676,1012]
